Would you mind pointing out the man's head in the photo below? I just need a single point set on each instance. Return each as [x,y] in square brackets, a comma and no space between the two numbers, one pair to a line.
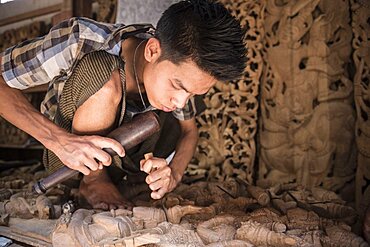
[196,44]
[204,32]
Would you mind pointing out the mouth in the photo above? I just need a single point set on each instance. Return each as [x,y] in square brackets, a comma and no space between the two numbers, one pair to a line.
[167,109]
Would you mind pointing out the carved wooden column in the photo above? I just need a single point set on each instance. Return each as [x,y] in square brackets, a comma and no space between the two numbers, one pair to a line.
[307,122]
[228,126]
[361,58]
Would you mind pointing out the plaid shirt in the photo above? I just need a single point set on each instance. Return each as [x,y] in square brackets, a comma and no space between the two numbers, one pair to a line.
[51,59]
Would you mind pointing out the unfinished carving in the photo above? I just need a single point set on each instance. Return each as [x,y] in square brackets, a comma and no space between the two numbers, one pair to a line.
[217,229]
[23,206]
[151,216]
[175,213]
[257,234]
[343,238]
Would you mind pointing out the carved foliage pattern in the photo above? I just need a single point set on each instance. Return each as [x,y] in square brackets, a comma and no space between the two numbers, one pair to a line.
[8,133]
[361,57]
[307,118]
[14,36]
[227,127]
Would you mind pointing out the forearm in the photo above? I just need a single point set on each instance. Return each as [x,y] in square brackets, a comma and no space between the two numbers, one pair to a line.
[185,149]
[15,108]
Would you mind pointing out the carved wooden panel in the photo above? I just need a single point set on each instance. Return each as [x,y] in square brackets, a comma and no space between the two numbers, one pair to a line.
[307,120]
[10,135]
[14,36]
[228,126]
[107,11]
[361,58]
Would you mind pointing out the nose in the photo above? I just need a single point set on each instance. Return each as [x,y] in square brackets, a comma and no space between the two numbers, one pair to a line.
[180,99]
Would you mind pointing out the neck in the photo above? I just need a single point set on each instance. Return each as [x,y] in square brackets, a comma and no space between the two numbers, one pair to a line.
[132,51]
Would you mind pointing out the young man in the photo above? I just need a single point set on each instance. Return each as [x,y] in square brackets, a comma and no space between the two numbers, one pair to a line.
[196,44]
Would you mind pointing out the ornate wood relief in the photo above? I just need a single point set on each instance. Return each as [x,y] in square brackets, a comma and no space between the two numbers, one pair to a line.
[14,36]
[228,126]
[361,58]
[306,130]
[9,134]
[107,11]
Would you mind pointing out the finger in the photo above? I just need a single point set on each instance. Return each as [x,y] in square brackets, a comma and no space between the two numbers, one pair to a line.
[158,174]
[100,166]
[105,142]
[157,185]
[81,168]
[158,194]
[146,166]
[103,157]
[158,163]
[154,164]
[91,164]
[141,164]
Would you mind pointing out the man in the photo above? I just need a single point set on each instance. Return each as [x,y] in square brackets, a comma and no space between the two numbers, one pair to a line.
[196,44]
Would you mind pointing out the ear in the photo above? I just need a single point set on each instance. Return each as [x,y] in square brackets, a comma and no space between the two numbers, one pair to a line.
[152,50]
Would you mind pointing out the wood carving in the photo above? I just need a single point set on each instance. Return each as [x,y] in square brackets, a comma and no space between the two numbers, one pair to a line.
[361,57]
[366,226]
[175,235]
[107,11]
[301,219]
[14,36]
[228,209]
[231,243]
[151,216]
[307,120]
[343,238]
[175,213]
[257,234]
[20,205]
[102,229]
[227,127]
[267,218]
[217,229]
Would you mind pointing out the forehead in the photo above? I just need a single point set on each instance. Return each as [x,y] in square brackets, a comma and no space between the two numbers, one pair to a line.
[194,79]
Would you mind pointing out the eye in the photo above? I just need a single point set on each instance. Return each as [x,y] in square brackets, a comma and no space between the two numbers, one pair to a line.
[175,85]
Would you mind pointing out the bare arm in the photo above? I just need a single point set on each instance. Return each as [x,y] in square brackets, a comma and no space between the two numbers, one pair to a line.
[166,177]
[185,148]
[74,151]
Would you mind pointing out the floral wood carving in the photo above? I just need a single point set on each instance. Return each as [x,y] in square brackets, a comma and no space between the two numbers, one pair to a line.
[228,126]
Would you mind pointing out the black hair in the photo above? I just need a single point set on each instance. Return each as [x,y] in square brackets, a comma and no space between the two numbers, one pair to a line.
[205,32]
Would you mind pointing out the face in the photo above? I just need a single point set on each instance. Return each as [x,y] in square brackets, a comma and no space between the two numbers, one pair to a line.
[169,86]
